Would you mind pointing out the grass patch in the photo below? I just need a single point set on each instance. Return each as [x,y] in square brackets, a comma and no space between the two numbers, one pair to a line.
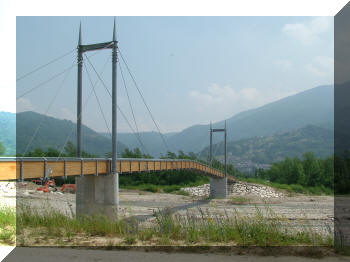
[239,200]
[262,229]
[182,193]
[293,188]
[130,240]
[7,226]
[175,189]
[170,181]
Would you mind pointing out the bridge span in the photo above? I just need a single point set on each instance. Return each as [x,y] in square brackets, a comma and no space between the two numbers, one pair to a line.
[51,167]
[98,188]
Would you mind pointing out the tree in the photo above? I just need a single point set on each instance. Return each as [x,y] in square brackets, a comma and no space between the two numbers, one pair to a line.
[2,149]
[127,153]
[70,149]
[311,169]
[171,155]
[299,174]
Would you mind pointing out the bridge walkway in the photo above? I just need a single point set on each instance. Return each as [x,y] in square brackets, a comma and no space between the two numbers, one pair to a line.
[30,168]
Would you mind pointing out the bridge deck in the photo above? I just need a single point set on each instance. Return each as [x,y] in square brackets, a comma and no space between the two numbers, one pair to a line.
[27,168]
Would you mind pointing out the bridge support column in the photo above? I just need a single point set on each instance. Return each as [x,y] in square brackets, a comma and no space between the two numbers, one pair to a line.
[97,195]
[218,187]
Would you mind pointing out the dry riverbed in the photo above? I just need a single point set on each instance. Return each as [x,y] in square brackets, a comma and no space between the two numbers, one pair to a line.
[298,211]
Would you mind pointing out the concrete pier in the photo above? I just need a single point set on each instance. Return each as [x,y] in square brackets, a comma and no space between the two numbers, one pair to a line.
[218,187]
[97,195]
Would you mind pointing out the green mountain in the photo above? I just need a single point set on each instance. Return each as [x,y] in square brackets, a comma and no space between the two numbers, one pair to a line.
[269,149]
[54,132]
[8,132]
[312,107]
[151,140]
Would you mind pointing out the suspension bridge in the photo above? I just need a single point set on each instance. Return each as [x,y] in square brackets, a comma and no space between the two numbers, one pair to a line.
[97,178]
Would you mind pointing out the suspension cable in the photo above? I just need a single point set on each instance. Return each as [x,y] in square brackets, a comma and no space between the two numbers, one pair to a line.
[132,130]
[98,101]
[53,77]
[42,66]
[47,110]
[46,81]
[143,99]
[206,136]
[126,120]
[72,129]
[127,94]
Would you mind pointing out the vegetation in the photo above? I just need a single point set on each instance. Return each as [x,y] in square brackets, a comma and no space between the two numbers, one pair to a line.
[311,107]
[170,181]
[69,151]
[54,132]
[262,229]
[307,175]
[342,173]
[293,188]
[7,225]
[2,149]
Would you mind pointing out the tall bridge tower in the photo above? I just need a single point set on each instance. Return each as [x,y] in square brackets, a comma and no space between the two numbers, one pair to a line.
[218,186]
[98,194]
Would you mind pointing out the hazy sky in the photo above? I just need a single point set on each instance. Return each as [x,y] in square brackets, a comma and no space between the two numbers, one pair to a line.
[191,70]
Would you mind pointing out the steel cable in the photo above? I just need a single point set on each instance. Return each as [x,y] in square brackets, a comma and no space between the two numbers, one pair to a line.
[144,101]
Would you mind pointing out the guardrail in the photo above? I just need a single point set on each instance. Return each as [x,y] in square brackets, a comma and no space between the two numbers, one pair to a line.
[50,167]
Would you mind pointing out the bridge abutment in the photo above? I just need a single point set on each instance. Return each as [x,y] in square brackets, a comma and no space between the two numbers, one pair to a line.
[97,195]
[218,187]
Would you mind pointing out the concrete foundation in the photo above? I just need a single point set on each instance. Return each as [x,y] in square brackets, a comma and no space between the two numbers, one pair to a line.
[97,195]
[218,187]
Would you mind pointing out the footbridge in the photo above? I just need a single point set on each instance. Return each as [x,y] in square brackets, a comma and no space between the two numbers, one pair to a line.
[97,179]
[51,167]
[98,190]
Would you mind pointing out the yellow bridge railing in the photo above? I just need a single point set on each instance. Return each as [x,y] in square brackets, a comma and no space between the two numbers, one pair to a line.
[28,168]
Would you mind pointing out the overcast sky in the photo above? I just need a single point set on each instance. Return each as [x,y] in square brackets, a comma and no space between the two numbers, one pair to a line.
[191,70]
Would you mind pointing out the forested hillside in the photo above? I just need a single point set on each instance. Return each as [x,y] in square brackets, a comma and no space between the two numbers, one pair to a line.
[311,107]
[53,133]
[269,149]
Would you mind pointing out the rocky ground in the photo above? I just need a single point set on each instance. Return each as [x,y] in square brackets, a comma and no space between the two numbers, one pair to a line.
[8,194]
[238,189]
[299,211]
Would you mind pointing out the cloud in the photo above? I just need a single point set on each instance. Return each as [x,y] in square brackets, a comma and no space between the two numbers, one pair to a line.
[68,114]
[309,32]
[24,104]
[222,102]
[321,66]
[284,65]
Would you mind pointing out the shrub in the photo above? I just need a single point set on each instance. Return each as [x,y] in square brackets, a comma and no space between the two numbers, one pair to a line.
[297,188]
[172,188]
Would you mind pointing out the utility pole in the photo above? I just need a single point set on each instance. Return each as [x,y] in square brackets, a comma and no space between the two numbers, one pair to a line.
[79,94]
